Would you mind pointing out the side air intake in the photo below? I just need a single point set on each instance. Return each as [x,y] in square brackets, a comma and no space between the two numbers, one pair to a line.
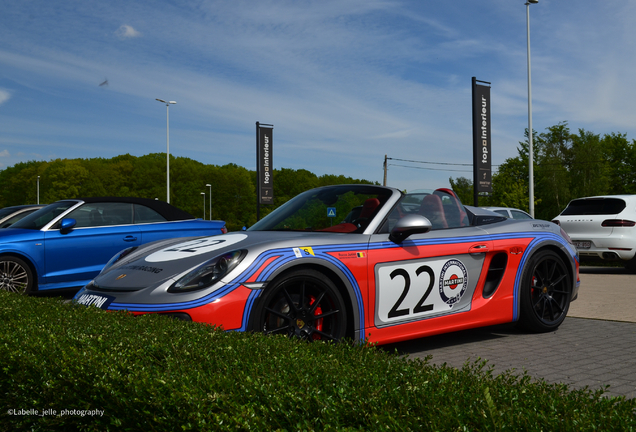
[495,273]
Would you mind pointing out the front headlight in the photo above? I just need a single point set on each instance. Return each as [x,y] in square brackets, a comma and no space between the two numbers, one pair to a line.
[209,272]
[118,257]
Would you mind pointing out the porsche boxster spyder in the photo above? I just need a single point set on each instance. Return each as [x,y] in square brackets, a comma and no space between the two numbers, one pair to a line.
[365,262]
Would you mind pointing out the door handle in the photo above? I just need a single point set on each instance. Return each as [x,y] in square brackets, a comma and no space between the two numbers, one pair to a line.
[478,248]
[130,238]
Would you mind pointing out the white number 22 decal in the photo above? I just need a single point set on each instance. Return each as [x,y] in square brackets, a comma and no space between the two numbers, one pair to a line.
[410,290]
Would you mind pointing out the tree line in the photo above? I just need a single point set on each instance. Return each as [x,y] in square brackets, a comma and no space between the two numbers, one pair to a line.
[233,187]
[566,166]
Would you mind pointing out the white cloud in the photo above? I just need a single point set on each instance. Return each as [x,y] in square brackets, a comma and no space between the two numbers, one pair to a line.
[4,153]
[126,32]
[4,96]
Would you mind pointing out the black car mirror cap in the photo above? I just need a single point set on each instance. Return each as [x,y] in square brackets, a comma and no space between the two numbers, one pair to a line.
[67,225]
[409,225]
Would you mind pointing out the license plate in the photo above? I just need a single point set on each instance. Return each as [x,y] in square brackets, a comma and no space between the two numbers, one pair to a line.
[582,244]
[98,300]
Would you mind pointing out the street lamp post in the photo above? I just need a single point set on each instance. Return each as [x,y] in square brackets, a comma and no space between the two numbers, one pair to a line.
[38,191]
[210,186]
[203,193]
[167,148]
[530,150]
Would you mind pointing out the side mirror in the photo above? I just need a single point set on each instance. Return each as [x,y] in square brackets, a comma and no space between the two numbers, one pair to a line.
[409,225]
[67,225]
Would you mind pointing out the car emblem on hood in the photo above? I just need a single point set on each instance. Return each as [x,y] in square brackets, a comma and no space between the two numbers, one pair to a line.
[121,276]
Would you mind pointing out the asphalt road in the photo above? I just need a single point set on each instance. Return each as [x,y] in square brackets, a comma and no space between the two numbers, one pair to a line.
[595,346]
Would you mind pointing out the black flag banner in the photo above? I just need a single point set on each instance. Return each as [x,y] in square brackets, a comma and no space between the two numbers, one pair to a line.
[265,165]
[482,156]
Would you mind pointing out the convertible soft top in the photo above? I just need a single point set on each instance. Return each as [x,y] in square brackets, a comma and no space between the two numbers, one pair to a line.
[168,211]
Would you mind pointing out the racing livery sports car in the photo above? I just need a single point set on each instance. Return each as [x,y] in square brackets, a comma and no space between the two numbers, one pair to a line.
[404,266]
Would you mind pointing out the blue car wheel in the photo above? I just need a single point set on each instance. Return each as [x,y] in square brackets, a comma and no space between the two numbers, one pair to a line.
[15,275]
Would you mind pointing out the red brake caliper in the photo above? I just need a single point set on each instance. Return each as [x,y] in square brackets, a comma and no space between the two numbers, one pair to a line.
[318,311]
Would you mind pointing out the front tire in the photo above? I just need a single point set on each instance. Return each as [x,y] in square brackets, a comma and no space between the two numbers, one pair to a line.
[546,289]
[304,304]
[16,276]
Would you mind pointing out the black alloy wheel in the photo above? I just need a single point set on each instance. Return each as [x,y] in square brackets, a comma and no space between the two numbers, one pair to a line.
[15,275]
[546,289]
[305,304]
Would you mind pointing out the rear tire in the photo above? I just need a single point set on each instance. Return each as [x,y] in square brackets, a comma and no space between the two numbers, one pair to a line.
[546,290]
[16,276]
[630,265]
[304,304]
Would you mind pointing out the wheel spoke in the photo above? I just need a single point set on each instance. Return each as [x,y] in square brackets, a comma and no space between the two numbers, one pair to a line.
[326,335]
[301,303]
[277,313]
[326,314]
[552,266]
[557,306]
[559,291]
[316,303]
[290,302]
[558,280]
[278,330]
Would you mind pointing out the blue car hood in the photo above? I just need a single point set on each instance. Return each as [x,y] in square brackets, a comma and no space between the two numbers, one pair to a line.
[9,235]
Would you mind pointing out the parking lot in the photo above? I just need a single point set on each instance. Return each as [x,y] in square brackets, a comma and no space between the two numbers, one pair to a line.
[594,347]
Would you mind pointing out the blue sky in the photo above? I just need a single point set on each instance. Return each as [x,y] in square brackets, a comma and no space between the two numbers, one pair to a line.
[344,82]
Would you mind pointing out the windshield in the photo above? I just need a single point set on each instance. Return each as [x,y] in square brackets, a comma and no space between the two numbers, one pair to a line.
[40,218]
[343,209]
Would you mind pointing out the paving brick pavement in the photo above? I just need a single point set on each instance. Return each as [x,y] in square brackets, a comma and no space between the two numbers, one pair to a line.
[594,347]
[582,352]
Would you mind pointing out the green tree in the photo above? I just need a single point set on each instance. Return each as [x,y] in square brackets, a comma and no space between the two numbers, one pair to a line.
[510,184]
[589,171]
[552,178]
[621,163]
[463,187]
[64,179]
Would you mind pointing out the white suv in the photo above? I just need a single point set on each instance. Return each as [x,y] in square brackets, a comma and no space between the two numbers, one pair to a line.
[602,228]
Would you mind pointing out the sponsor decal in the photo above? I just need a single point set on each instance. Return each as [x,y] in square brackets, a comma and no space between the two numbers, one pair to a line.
[453,281]
[303,252]
[195,247]
[100,301]
[148,269]
[541,225]
[347,255]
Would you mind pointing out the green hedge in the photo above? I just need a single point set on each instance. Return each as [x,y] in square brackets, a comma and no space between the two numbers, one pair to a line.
[112,371]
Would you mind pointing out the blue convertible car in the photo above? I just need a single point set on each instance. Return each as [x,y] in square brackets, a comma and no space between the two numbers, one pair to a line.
[67,243]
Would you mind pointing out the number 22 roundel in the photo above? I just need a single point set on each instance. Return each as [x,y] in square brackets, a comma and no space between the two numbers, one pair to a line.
[412,290]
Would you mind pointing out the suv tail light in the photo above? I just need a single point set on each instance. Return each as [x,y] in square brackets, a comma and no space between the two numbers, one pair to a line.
[566,236]
[618,223]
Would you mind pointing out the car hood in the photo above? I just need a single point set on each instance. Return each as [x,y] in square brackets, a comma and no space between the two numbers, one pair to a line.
[156,263]
[8,235]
